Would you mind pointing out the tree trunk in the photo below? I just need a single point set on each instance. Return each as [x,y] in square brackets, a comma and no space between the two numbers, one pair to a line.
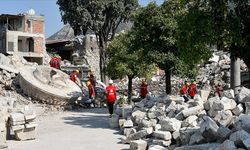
[235,81]
[130,78]
[168,80]
[102,62]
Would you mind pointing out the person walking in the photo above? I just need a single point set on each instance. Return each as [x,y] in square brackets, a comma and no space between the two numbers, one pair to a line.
[143,89]
[192,89]
[92,93]
[111,96]
[184,91]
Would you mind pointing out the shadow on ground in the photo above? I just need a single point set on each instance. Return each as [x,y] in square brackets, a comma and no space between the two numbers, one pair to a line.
[89,118]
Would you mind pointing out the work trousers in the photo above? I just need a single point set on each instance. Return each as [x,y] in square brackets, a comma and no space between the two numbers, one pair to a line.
[111,107]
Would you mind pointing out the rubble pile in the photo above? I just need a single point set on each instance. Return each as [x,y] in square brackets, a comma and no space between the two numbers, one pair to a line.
[23,124]
[168,122]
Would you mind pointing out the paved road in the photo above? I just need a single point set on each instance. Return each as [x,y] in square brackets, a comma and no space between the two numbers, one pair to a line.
[87,129]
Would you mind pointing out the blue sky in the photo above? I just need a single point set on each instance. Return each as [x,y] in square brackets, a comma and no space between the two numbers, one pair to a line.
[48,8]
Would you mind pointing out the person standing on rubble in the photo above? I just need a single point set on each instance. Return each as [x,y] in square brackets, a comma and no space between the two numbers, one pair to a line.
[111,96]
[55,61]
[73,75]
[143,89]
[192,89]
[184,91]
[92,93]
[219,90]
[92,80]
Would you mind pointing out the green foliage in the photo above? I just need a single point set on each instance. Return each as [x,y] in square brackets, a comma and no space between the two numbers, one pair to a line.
[126,59]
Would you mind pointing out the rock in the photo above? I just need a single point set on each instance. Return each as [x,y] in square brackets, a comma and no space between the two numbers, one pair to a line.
[223,132]
[209,103]
[171,106]
[238,109]
[224,117]
[148,123]
[138,145]
[25,134]
[227,145]
[224,104]
[29,115]
[209,146]
[186,133]
[176,135]
[126,111]
[243,122]
[196,138]
[159,142]
[138,115]
[128,124]
[157,147]
[140,134]
[170,124]
[191,121]
[128,131]
[204,95]
[246,143]
[247,105]
[229,93]
[164,135]
[121,122]
[209,129]
[192,111]
[244,92]
[238,137]
[17,119]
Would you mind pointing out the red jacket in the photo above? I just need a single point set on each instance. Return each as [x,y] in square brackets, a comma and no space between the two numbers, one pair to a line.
[192,89]
[55,62]
[184,89]
[91,91]
[144,90]
[111,93]
[73,76]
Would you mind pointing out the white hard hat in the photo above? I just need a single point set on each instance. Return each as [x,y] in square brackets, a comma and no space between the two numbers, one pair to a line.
[111,82]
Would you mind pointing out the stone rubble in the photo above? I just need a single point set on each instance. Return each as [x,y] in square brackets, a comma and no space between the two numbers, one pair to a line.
[167,122]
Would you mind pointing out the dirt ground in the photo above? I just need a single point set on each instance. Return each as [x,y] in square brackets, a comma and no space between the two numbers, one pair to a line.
[85,129]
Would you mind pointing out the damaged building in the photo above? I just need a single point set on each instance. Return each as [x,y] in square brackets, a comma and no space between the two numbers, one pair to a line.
[23,35]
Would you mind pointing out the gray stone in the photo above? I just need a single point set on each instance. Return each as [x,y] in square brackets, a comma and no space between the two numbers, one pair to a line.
[223,132]
[128,124]
[114,121]
[29,115]
[176,135]
[224,104]
[247,105]
[209,129]
[157,147]
[210,146]
[164,135]
[192,111]
[204,95]
[224,117]
[246,143]
[126,111]
[170,124]
[138,145]
[159,142]
[191,121]
[238,109]
[238,137]
[25,134]
[138,115]
[244,92]
[243,122]
[209,103]
[186,133]
[171,106]
[17,118]
[229,93]
[227,145]
[121,122]
[128,131]
[140,134]
[148,123]
[196,138]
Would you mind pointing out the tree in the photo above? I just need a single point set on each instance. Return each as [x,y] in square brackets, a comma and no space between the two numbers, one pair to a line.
[100,16]
[127,60]
[221,23]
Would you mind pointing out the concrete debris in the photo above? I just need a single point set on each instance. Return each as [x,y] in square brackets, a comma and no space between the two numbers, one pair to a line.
[164,135]
[157,147]
[138,145]
[238,137]
[227,145]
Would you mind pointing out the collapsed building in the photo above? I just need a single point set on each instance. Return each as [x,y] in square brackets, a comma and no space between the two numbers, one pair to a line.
[23,35]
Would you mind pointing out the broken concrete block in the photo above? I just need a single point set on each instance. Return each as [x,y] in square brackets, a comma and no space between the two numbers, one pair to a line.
[224,132]
[25,134]
[208,104]
[171,106]
[157,147]
[140,134]
[186,133]
[121,122]
[224,104]
[138,115]
[229,93]
[114,121]
[238,109]
[196,138]
[3,143]
[209,129]
[247,105]
[204,95]
[209,146]
[170,124]
[224,117]
[176,135]
[213,113]
[192,111]
[157,127]
[138,145]
[238,137]
[246,143]
[29,115]
[17,118]
[159,142]
[128,131]
[244,92]
[243,122]
[148,123]
[128,124]
[227,145]
[126,111]
[31,125]
[191,121]
[164,135]
[17,127]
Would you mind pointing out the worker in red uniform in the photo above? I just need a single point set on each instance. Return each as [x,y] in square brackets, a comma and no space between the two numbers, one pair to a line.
[73,75]
[55,62]
[184,91]
[192,89]
[143,89]
[92,80]
[92,93]
[111,96]
[219,90]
